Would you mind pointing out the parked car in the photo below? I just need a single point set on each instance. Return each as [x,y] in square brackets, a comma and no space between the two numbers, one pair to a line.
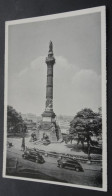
[33,155]
[70,163]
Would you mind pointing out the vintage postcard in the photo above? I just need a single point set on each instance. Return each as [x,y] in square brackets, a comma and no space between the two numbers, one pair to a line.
[55,99]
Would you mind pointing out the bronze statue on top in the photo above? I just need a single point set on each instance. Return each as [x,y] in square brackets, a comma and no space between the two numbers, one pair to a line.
[50,46]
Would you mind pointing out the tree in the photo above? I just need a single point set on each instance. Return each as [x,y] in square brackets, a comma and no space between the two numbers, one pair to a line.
[15,122]
[85,124]
[86,120]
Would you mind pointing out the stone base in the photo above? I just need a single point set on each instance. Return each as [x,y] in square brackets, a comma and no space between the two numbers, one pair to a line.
[48,116]
[52,130]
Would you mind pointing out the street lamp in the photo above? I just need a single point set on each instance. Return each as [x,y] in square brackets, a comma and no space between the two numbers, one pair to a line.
[23,138]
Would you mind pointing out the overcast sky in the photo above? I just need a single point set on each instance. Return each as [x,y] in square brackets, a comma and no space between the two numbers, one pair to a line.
[77,72]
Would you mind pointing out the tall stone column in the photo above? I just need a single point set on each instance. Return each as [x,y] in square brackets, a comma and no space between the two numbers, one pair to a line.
[48,126]
[49,115]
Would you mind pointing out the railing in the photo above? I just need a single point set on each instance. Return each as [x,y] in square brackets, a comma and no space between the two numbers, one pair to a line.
[77,157]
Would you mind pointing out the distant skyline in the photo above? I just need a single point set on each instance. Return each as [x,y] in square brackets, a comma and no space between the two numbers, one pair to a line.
[77,72]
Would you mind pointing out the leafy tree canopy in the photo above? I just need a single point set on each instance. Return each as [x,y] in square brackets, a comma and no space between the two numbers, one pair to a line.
[14,120]
[86,121]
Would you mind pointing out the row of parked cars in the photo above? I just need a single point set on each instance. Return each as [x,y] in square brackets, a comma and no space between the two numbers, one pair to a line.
[62,162]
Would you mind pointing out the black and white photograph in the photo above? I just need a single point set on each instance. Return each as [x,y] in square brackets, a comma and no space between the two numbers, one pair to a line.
[55,99]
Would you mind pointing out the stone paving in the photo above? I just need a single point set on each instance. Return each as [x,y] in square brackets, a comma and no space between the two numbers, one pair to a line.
[53,147]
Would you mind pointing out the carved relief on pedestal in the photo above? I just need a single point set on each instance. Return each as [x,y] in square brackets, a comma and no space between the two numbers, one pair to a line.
[49,104]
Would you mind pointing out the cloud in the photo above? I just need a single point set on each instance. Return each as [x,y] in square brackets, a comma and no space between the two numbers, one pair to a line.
[76,91]
[38,62]
[23,72]
[28,92]
[62,62]
[73,88]
[87,80]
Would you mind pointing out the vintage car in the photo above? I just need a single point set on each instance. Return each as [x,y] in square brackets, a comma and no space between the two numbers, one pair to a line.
[69,163]
[33,155]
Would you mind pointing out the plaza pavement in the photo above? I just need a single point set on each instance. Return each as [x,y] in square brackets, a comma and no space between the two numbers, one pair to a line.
[53,147]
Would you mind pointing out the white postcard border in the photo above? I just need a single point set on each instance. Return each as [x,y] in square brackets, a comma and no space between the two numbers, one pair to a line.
[101,9]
